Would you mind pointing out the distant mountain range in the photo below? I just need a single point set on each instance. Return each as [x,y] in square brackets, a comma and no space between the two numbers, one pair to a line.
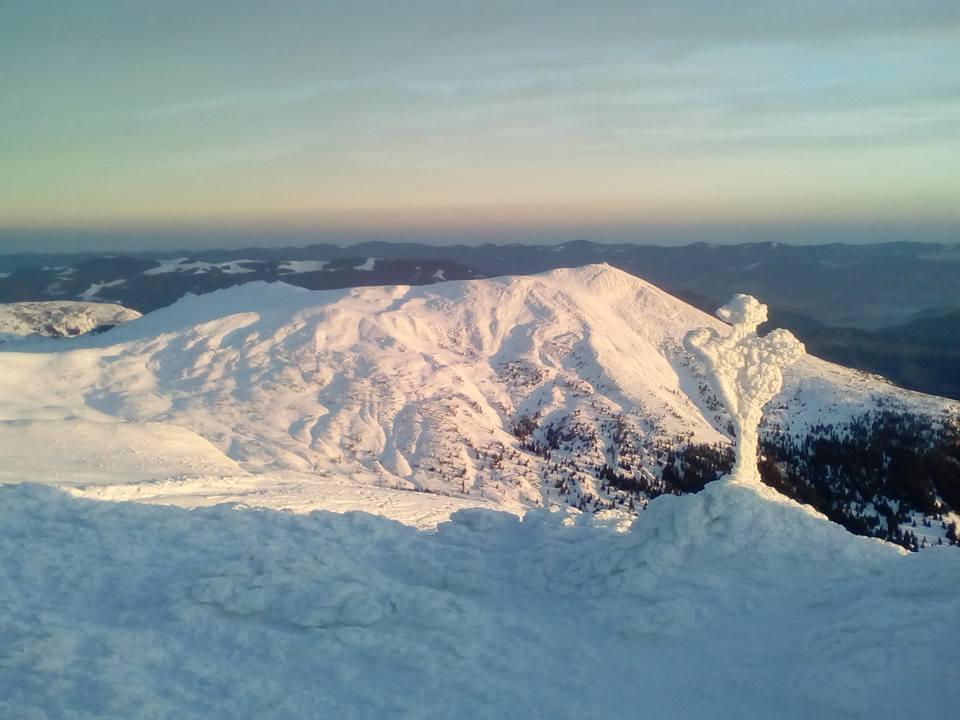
[891,309]
[145,284]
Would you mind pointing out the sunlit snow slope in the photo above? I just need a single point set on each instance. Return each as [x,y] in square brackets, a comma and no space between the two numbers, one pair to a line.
[419,388]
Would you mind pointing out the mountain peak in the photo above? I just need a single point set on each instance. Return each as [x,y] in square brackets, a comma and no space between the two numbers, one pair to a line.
[567,388]
[602,279]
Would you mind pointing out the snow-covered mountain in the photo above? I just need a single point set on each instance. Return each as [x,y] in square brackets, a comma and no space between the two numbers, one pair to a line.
[515,392]
[486,395]
[59,318]
[903,304]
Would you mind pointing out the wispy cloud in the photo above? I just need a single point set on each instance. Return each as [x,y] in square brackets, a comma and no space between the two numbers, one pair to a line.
[440,100]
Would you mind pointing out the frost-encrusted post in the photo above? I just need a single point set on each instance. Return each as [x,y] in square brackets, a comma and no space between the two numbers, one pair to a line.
[745,371]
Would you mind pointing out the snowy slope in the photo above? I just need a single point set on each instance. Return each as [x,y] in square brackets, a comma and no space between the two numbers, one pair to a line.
[116,610]
[424,388]
[59,318]
[733,602]
[84,452]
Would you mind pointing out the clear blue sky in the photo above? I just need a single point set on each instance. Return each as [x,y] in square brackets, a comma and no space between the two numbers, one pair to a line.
[407,117]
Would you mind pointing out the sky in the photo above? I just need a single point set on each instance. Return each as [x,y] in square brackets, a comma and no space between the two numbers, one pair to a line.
[475,119]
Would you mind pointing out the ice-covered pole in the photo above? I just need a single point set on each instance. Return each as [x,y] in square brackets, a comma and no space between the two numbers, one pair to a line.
[745,371]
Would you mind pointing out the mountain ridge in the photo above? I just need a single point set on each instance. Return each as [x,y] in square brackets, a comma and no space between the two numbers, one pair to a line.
[570,387]
[851,304]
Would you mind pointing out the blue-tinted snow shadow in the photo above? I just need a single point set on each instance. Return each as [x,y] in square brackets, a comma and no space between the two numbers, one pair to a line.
[128,610]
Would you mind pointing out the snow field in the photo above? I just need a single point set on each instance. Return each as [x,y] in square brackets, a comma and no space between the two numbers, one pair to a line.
[183,265]
[118,610]
[83,452]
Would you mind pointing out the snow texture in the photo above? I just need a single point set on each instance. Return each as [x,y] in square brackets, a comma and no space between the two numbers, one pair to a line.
[117,610]
[745,371]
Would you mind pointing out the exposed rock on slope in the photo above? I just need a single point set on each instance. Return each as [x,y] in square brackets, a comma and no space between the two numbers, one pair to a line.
[60,318]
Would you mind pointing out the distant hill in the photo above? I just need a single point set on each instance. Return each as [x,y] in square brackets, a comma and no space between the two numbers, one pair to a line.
[146,284]
[888,308]
[59,319]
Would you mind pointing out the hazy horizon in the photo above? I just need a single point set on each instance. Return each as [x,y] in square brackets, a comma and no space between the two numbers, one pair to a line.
[462,120]
[62,240]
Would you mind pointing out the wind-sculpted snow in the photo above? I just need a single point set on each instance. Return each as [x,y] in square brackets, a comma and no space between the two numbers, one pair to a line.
[509,392]
[745,371]
[119,610]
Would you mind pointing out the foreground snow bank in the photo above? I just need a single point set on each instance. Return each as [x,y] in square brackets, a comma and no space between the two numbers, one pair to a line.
[126,610]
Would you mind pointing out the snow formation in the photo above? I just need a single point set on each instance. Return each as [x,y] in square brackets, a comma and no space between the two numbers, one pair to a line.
[120,610]
[745,371]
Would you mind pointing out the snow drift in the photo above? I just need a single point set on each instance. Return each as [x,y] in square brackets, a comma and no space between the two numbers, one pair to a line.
[130,611]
